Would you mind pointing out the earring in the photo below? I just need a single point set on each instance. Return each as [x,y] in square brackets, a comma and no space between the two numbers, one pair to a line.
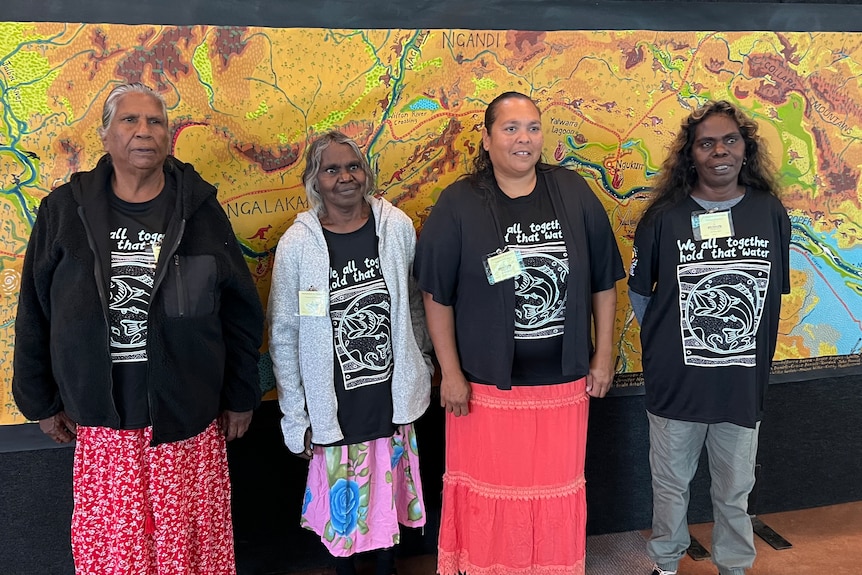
[744,161]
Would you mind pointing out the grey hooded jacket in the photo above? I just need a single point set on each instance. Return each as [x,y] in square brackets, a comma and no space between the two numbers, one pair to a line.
[302,346]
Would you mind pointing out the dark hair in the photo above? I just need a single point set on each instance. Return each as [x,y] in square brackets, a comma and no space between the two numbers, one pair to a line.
[312,167]
[678,177]
[481,175]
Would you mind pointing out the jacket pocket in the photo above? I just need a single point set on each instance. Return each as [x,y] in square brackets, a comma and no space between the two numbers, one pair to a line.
[190,285]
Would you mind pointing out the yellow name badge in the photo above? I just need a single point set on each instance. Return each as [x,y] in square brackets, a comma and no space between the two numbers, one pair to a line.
[312,303]
[503,266]
[709,225]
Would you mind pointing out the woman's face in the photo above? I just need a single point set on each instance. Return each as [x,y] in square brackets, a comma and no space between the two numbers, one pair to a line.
[341,179]
[515,140]
[137,138]
[718,151]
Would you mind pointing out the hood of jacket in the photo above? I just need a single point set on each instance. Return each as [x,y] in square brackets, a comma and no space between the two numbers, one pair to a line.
[192,190]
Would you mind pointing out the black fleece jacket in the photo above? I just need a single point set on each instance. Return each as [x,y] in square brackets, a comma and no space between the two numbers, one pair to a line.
[205,320]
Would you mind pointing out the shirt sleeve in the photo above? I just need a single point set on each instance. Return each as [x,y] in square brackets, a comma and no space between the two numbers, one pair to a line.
[33,386]
[644,267]
[417,308]
[639,304]
[283,311]
[606,265]
[438,252]
[242,321]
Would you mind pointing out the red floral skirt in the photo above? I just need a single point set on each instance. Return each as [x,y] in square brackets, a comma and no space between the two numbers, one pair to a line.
[142,510]
[513,492]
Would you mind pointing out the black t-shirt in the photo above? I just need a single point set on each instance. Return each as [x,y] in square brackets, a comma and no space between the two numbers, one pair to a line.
[135,237]
[710,329]
[360,309]
[530,226]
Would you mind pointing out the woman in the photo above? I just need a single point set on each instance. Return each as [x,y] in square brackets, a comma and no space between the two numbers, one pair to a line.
[515,261]
[347,342]
[138,330]
[711,260]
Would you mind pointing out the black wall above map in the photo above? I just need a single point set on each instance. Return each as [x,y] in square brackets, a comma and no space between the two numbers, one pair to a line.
[837,15]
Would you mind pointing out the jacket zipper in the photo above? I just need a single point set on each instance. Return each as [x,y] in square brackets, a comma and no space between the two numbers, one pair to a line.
[160,272]
[103,298]
[180,290]
[160,275]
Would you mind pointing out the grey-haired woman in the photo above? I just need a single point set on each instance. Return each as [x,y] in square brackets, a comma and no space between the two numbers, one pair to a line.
[348,344]
[138,331]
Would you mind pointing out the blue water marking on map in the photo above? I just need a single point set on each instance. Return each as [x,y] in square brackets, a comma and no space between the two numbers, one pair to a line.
[832,237]
[838,256]
[582,164]
[13,130]
[423,104]
[834,311]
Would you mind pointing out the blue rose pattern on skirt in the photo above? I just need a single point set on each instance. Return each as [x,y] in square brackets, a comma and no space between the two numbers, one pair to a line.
[357,495]
[397,451]
[344,506]
[306,499]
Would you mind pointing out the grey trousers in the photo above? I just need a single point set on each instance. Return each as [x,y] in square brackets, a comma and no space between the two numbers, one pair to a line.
[675,448]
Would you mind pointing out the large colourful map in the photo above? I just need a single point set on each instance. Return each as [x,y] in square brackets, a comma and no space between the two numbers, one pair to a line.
[245,102]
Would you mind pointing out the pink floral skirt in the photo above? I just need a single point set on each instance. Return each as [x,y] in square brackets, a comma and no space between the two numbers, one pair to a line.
[513,492]
[142,510]
[356,495]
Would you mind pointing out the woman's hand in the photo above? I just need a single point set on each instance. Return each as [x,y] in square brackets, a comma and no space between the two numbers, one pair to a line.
[307,450]
[59,427]
[234,424]
[455,394]
[601,374]
[454,388]
[600,378]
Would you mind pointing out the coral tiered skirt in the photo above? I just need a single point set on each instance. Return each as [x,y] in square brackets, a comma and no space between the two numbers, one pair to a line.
[513,492]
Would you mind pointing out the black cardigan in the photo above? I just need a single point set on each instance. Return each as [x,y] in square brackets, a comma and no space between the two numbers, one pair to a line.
[460,232]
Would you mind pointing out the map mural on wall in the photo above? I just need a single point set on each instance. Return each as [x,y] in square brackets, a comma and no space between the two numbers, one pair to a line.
[245,102]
